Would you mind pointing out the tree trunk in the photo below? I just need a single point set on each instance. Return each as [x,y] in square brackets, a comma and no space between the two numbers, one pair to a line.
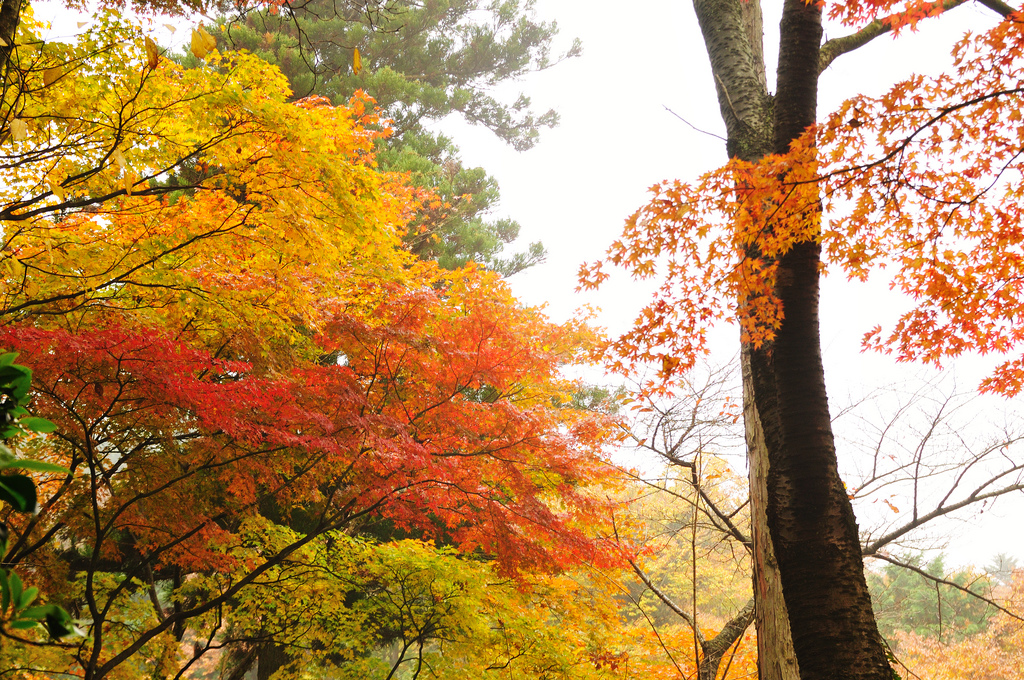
[798,503]
[733,37]
[776,659]
[810,518]
[10,18]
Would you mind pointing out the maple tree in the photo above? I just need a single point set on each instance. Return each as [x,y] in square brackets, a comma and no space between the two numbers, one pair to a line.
[748,240]
[246,370]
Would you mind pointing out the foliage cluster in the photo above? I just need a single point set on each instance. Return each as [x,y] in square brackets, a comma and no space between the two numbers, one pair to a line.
[282,441]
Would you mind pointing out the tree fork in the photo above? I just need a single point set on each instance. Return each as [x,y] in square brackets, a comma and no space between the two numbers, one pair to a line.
[810,518]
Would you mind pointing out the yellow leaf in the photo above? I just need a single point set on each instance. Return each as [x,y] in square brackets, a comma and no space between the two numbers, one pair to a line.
[118,158]
[211,42]
[129,181]
[56,188]
[82,24]
[3,43]
[51,74]
[152,53]
[19,129]
[202,43]
[357,62]
[171,27]
[198,45]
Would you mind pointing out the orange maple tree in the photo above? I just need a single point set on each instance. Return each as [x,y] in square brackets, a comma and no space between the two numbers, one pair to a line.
[747,242]
[918,182]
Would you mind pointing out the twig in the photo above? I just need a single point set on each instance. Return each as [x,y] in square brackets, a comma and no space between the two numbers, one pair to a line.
[703,132]
[938,580]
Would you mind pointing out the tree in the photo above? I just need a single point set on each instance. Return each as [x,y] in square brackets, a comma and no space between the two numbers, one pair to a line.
[691,435]
[913,459]
[994,653]
[905,601]
[764,266]
[247,371]
[19,491]
[420,62]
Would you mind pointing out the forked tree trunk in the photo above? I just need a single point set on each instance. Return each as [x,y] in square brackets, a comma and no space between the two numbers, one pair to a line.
[733,36]
[799,506]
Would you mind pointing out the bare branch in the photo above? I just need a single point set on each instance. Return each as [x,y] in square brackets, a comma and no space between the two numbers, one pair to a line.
[669,602]
[941,581]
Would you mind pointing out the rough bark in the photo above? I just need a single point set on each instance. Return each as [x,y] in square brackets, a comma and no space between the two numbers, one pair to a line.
[732,31]
[733,37]
[794,474]
[810,518]
[776,659]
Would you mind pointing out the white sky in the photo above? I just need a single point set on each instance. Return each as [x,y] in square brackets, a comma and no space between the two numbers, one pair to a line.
[616,139]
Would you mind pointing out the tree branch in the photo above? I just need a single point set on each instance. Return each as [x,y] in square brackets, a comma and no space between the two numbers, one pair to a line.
[661,595]
[839,46]
[998,7]
[941,581]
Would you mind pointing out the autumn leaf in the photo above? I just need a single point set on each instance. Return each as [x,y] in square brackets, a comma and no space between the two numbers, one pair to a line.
[50,75]
[152,53]
[202,43]
[19,129]
[357,62]
[56,187]
[119,159]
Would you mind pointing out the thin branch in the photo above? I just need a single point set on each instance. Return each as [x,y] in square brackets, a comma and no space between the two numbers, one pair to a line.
[703,132]
[669,602]
[941,581]
[837,47]
[871,550]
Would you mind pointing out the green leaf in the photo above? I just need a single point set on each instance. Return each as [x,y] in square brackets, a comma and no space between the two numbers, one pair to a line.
[18,379]
[8,358]
[27,598]
[16,586]
[23,624]
[19,491]
[57,621]
[33,465]
[59,624]
[5,591]
[41,425]
[40,611]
